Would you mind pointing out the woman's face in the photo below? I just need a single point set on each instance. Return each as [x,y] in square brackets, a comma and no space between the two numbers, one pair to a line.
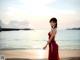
[52,24]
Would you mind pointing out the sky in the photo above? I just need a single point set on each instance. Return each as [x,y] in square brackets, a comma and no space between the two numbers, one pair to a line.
[39,12]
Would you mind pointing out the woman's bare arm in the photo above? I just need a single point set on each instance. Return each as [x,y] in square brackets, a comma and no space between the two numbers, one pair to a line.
[52,35]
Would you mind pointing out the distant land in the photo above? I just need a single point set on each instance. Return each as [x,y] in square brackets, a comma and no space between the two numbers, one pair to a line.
[14,25]
[11,29]
[74,28]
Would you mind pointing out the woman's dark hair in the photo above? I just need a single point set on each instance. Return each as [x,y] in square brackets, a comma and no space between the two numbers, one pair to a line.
[54,20]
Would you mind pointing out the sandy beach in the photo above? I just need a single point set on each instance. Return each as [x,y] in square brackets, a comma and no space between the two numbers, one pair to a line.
[35,54]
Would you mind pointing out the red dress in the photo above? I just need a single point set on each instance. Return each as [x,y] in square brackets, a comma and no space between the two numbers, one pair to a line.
[53,49]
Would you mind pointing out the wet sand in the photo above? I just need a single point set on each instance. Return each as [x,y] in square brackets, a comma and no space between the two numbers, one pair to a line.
[39,54]
[69,58]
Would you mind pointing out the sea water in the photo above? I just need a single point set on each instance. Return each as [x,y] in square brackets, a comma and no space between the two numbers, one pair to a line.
[36,39]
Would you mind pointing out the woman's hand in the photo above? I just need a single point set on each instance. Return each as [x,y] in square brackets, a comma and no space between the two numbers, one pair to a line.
[44,47]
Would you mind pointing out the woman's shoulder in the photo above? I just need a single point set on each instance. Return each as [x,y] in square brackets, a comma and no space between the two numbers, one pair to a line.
[54,30]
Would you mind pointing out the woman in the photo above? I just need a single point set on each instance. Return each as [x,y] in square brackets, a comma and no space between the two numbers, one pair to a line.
[53,47]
